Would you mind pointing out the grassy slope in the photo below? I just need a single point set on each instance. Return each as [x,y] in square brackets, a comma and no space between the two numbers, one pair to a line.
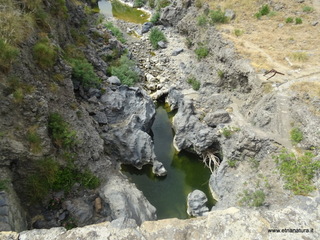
[266,43]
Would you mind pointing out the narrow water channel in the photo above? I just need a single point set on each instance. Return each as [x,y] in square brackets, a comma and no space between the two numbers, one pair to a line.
[186,173]
[119,10]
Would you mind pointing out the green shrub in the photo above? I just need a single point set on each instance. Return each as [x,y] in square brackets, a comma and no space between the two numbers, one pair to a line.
[298,21]
[60,131]
[218,17]
[188,43]
[272,14]
[300,56]
[45,53]
[34,140]
[152,3]
[296,135]
[194,83]
[297,171]
[198,3]
[307,9]
[264,10]
[238,32]
[232,163]
[202,20]
[83,71]
[254,163]
[163,3]
[116,32]
[8,54]
[79,37]
[228,131]
[201,52]
[252,198]
[138,3]
[59,8]
[124,70]
[289,20]
[155,36]
[220,74]
[42,18]
[50,176]
[155,17]
[4,185]
[18,88]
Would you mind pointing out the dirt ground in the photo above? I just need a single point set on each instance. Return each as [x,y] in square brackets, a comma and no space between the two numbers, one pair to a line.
[270,42]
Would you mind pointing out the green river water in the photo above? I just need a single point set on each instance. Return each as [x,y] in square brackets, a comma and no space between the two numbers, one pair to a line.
[186,173]
[122,11]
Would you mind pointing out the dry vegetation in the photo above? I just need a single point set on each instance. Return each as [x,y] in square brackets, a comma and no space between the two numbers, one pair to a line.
[312,88]
[270,42]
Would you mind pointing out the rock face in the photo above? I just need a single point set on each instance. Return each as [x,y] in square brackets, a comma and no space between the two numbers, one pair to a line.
[217,117]
[12,216]
[130,114]
[197,203]
[222,224]
[190,133]
[146,27]
[126,201]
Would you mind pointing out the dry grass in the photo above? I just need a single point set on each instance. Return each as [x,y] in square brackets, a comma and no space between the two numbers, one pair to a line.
[266,43]
[312,88]
[15,24]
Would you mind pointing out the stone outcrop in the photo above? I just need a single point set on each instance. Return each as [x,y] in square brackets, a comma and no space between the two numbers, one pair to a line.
[222,224]
[126,201]
[12,215]
[196,202]
[129,113]
[190,133]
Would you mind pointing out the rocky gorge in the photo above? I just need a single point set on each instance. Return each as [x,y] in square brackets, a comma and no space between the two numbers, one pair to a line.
[230,118]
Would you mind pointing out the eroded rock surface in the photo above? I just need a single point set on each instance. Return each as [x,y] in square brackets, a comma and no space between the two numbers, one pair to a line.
[126,201]
[197,203]
[221,224]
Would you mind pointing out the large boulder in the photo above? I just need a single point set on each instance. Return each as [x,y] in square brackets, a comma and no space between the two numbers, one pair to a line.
[214,118]
[130,113]
[190,132]
[126,201]
[196,202]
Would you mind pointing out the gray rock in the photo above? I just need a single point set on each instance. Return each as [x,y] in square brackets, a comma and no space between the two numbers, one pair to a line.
[174,98]
[79,210]
[146,27]
[227,223]
[220,116]
[197,203]
[114,80]
[101,118]
[130,113]
[172,14]
[190,132]
[300,1]
[12,216]
[314,23]
[94,92]
[177,51]
[123,223]
[158,169]
[162,44]
[126,201]
[230,14]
